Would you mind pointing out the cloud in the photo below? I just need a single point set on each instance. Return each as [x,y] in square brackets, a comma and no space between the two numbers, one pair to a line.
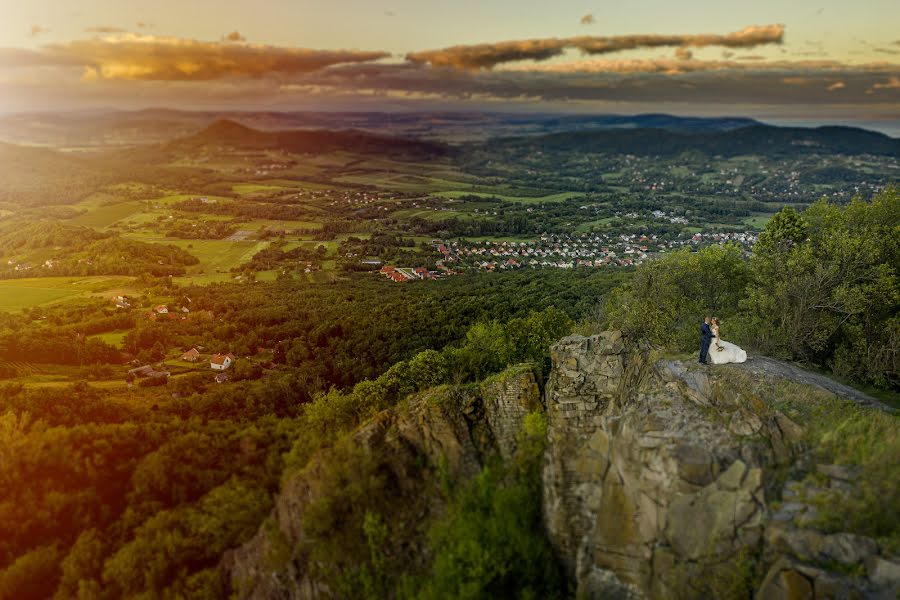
[235,36]
[588,19]
[146,57]
[487,56]
[837,85]
[797,80]
[143,25]
[887,51]
[37,30]
[892,83]
[105,29]
[683,54]
[679,66]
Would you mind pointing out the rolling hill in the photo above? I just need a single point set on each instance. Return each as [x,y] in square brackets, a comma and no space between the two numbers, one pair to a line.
[756,139]
[225,133]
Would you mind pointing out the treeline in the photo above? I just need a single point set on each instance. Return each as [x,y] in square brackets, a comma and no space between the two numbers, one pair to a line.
[109,256]
[248,210]
[17,236]
[275,255]
[197,229]
[63,341]
[821,287]
[49,248]
[342,332]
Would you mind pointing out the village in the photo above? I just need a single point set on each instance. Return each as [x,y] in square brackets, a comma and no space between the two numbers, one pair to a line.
[557,251]
[567,251]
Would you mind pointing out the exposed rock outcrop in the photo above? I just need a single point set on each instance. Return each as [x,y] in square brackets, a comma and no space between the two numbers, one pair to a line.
[443,433]
[659,478]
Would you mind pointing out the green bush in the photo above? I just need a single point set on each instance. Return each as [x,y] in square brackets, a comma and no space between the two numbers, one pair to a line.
[491,542]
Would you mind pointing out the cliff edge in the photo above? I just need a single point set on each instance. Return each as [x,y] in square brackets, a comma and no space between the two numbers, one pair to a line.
[667,479]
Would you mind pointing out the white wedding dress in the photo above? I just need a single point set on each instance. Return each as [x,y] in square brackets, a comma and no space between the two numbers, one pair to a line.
[730,353]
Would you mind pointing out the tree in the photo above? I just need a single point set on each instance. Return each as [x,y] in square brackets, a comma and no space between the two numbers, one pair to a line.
[667,298]
[826,289]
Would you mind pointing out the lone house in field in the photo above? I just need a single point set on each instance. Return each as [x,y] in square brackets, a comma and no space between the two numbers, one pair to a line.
[220,362]
[192,355]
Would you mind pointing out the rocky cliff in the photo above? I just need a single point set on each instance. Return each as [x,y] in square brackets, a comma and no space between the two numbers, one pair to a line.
[667,479]
[661,479]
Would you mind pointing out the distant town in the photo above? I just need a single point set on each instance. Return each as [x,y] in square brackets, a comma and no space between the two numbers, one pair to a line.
[558,251]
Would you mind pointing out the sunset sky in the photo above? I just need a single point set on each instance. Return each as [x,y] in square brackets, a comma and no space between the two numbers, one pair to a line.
[823,61]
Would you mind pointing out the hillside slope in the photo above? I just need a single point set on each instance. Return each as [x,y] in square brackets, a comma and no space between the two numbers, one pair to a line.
[226,133]
[756,139]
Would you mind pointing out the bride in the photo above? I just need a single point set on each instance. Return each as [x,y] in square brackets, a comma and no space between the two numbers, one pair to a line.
[721,352]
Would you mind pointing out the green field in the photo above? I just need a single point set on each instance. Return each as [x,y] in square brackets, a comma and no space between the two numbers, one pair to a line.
[403,182]
[758,220]
[16,294]
[586,226]
[434,215]
[214,255]
[249,188]
[14,297]
[219,255]
[113,338]
[104,216]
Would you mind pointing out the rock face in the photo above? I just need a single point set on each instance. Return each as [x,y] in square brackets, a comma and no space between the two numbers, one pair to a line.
[441,433]
[659,475]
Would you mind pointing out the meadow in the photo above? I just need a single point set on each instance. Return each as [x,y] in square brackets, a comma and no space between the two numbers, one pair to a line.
[16,294]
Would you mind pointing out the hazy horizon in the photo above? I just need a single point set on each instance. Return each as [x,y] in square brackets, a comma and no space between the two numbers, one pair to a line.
[781,62]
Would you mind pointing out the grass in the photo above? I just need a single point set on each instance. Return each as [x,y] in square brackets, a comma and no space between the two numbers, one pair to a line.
[758,220]
[16,294]
[258,224]
[104,216]
[249,188]
[403,182]
[434,215]
[586,226]
[214,255]
[13,297]
[842,432]
[113,338]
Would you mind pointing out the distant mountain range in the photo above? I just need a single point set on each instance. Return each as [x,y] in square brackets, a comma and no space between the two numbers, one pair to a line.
[105,128]
[716,138]
[226,133]
[756,139]
[33,176]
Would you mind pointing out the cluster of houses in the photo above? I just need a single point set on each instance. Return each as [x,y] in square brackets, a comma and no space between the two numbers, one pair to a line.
[404,274]
[566,251]
[217,362]
[163,311]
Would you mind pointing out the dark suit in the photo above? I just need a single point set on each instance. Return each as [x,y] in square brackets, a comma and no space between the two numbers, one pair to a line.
[706,336]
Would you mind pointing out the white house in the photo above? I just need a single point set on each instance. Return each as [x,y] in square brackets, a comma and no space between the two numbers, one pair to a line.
[220,362]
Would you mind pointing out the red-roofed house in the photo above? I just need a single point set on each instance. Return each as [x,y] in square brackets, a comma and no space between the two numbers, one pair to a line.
[162,309]
[220,362]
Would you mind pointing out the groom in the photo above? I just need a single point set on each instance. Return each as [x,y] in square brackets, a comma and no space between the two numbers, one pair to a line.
[706,336]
